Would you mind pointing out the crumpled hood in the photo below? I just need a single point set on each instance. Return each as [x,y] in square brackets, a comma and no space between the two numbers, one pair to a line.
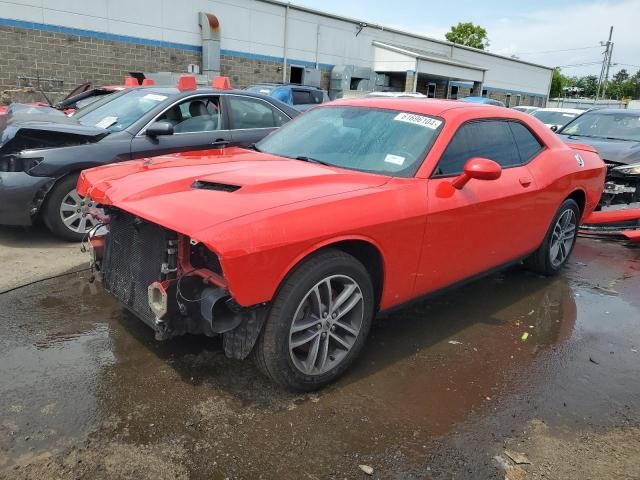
[618,151]
[189,193]
[30,130]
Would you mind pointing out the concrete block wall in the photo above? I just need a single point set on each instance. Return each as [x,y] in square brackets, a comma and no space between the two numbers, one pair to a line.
[71,60]
[247,71]
[65,61]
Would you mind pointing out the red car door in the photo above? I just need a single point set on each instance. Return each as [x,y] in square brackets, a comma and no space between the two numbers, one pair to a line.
[486,223]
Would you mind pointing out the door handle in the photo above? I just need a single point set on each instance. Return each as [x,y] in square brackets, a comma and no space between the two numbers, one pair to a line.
[525,181]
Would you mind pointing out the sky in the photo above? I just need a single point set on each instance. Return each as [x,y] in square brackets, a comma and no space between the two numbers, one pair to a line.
[560,33]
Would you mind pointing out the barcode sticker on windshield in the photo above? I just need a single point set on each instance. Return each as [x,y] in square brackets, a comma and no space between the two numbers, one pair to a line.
[155,97]
[421,120]
[106,122]
[395,159]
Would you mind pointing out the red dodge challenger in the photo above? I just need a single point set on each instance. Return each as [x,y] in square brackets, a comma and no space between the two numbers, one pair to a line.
[359,206]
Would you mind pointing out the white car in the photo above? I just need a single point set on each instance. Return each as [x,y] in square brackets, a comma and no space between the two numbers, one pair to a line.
[397,94]
[525,108]
[556,118]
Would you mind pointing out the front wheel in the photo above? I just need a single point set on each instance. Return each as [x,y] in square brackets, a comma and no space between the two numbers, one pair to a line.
[64,211]
[559,241]
[318,322]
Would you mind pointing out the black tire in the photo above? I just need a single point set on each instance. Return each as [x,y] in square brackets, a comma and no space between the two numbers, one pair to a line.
[51,209]
[272,348]
[540,261]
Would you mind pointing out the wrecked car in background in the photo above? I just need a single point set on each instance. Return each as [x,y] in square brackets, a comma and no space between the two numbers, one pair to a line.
[615,134]
[42,152]
[355,207]
[79,97]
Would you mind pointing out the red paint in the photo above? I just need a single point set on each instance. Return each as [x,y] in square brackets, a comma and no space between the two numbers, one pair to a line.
[187,82]
[615,216]
[214,23]
[429,234]
[221,83]
[633,235]
[611,216]
[130,82]
[479,169]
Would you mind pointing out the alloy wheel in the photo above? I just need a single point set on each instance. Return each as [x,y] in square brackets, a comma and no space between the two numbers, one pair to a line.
[564,232]
[326,324]
[73,212]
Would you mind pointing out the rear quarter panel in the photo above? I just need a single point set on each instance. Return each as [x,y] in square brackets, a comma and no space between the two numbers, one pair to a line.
[558,174]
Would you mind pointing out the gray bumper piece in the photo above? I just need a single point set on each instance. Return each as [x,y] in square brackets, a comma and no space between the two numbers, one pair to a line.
[21,196]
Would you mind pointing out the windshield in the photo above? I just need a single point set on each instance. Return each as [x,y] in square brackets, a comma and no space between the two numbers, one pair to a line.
[372,140]
[554,118]
[618,126]
[118,111]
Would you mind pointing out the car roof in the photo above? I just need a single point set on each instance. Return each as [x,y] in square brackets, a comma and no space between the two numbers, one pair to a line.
[560,110]
[414,105]
[174,91]
[296,85]
[614,111]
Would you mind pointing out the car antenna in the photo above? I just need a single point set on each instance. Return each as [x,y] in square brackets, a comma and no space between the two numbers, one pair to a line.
[40,87]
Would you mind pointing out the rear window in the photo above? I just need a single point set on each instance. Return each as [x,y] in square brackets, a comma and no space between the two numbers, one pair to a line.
[302,97]
[528,145]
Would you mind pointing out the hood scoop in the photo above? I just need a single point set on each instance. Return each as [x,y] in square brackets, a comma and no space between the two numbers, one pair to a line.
[215,186]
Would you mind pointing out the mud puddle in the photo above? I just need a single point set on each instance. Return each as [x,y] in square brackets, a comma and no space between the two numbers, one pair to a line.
[85,390]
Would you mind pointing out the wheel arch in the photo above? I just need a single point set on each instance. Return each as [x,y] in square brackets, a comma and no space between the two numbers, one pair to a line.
[364,249]
[55,183]
[580,197]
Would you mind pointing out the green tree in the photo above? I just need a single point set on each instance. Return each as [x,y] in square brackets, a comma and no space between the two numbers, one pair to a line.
[622,85]
[589,84]
[468,34]
[558,81]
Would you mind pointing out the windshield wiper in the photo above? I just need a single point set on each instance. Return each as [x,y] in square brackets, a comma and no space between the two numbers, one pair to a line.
[313,160]
[254,148]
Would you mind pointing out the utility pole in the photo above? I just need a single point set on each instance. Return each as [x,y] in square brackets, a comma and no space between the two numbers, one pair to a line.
[606,65]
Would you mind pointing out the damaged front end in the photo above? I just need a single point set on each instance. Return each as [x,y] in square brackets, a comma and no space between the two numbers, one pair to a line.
[173,284]
[618,214]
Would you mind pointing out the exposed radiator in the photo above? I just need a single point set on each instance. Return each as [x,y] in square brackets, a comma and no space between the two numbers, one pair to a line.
[135,251]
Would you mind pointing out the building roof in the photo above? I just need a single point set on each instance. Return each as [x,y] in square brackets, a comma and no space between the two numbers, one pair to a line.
[425,55]
[365,24]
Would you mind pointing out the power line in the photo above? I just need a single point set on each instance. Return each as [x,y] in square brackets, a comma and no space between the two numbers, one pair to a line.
[554,51]
[584,64]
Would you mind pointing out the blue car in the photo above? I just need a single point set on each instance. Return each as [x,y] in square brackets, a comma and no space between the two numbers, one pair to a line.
[300,97]
[485,100]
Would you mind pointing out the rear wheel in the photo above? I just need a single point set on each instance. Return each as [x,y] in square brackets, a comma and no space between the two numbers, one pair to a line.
[318,322]
[559,241]
[64,211]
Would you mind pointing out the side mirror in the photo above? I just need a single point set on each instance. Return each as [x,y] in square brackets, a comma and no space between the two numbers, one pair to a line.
[161,127]
[478,168]
[554,128]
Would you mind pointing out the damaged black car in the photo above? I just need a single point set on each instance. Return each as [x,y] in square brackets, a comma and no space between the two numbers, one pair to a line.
[615,134]
[41,155]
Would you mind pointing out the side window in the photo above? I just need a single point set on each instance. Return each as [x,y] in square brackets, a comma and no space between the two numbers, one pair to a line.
[200,114]
[248,112]
[302,97]
[528,145]
[490,139]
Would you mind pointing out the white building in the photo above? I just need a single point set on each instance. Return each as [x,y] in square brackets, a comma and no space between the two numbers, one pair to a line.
[250,41]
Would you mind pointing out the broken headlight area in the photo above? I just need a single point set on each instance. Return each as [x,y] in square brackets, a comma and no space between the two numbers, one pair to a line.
[171,283]
[16,163]
[622,185]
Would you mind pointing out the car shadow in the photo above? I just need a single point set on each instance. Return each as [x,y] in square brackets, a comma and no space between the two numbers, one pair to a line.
[485,315]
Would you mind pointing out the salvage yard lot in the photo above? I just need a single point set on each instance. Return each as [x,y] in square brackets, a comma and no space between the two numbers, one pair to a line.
[442,388]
